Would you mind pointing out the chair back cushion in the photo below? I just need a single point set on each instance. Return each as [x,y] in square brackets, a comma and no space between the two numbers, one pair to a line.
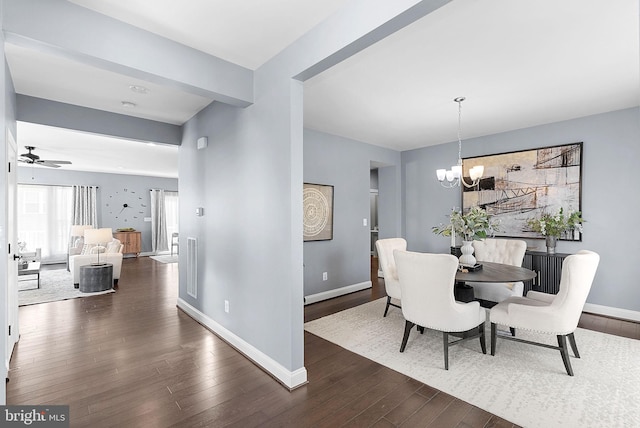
[578,271]
[505,251]
[114,246]
[426,283]
[385,248]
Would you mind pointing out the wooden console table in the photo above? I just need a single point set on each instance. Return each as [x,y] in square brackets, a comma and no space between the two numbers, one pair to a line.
[131,241]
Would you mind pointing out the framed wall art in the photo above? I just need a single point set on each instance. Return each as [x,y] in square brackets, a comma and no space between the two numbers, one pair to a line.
[518,186]
[317,219]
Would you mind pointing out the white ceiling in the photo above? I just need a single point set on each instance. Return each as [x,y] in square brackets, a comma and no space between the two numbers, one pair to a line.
[519,63]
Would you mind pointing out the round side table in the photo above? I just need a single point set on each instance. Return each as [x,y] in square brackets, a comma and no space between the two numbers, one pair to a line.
[96,277]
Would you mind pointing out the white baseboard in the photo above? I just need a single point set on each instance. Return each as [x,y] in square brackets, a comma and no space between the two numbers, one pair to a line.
[625,314]
[314,298]
[290,379]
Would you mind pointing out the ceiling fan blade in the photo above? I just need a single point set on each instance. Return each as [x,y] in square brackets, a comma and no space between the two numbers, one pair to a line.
[61,162]
[47,163]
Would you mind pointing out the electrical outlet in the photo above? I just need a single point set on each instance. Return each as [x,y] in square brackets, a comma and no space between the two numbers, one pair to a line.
[324,276]
[226,306]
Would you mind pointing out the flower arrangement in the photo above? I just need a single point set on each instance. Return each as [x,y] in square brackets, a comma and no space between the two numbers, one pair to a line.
[556,224]
[474,224]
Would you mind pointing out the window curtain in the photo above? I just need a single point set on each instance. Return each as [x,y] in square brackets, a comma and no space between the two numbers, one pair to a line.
[43,220]
[159,240]
[84,205]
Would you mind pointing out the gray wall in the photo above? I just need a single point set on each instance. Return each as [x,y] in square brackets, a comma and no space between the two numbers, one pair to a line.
[344,164]
[609,202]
[110,191]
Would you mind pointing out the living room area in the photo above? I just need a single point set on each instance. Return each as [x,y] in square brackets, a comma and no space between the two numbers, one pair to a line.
[138,213]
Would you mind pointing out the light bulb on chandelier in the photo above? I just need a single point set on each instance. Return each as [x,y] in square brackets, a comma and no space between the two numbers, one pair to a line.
[454,175]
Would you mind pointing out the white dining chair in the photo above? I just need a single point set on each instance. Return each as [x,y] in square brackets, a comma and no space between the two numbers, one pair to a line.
[548,313]
[385,248]
[426,284]
[505,251]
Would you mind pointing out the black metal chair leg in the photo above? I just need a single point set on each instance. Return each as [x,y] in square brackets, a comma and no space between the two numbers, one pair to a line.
[386,309]
[445,337]
[494,336]
[408,325]
[483,343]
[562,343]
[574,347]
[513,331]
[421,329]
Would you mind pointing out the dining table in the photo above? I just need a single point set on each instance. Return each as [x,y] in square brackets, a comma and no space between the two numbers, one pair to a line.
[490,272]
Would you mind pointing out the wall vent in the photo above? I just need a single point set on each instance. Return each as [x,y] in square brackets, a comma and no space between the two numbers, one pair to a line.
[192,267]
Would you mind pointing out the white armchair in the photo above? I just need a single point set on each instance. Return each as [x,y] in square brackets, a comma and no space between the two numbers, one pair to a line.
[110,253]
[426,283]
[505,251]
[385,248]
[547,313]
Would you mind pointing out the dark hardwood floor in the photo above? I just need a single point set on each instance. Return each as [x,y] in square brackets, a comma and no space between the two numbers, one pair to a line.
[132,359]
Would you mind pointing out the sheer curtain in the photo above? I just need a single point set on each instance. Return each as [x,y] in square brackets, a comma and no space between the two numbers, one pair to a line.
[44,216]
[84,205]
[159,240]
[171,210]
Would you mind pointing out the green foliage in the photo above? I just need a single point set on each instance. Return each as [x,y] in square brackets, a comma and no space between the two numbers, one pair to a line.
[474,224]
[556,224]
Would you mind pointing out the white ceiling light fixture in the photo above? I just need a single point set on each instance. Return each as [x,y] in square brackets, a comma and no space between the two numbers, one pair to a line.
[454,175]
[128,104]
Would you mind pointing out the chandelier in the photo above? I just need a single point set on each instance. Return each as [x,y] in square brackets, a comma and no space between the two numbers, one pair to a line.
[454,175]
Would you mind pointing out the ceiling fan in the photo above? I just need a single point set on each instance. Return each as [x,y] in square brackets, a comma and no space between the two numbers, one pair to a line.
[34,159]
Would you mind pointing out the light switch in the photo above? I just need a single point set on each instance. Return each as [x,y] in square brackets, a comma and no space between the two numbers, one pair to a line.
[364,221]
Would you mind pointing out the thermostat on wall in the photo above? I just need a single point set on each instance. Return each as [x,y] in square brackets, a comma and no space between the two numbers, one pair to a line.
[202,143]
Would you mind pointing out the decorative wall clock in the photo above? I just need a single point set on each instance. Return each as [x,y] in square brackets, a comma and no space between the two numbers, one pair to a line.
[126,205]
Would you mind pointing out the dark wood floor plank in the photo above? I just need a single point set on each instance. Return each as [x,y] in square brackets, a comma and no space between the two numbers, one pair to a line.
[132,359]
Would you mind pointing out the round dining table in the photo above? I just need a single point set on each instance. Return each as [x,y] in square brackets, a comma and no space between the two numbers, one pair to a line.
[490,272]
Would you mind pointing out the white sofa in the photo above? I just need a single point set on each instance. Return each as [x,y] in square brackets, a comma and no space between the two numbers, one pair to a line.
[112,254]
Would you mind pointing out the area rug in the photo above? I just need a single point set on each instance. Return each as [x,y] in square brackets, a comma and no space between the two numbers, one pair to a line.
[524,384]
[166,258]
[54,285]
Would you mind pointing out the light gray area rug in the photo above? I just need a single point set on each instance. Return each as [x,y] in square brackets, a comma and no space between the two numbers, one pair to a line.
[524,384]
[166,258]
[54,285]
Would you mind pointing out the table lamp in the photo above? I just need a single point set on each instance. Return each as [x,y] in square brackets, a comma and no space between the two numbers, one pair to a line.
[98,237]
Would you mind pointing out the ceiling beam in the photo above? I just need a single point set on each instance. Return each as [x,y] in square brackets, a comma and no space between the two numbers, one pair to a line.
[66,29]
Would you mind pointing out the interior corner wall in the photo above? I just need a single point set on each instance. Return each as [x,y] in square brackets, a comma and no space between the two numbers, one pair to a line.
[249,182]
[609,204]
[345,164]
[110,196]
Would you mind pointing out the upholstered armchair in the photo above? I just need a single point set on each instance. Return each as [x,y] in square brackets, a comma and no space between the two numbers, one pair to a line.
[76,240]
[505,251]
[547,313]
[426,284]
[385,248]
[111,252]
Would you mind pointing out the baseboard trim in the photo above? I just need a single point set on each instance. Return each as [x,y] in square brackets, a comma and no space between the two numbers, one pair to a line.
[330,294]
[624,314]
[290,379]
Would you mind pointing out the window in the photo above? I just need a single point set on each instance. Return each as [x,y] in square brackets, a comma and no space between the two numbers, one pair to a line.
[171,209]
[44,219]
